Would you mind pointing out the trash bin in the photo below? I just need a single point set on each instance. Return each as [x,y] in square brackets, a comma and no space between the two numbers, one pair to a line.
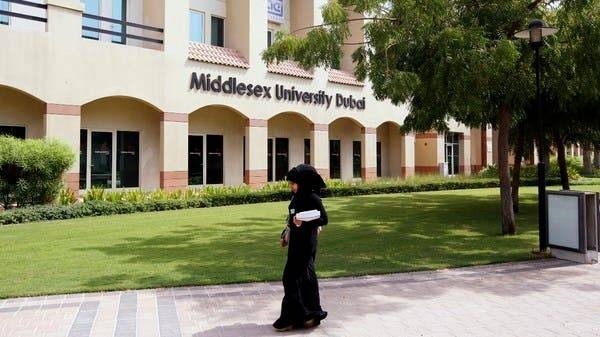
[572,218]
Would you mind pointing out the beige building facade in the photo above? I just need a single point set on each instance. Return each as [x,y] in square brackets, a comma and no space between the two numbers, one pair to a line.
[170,94]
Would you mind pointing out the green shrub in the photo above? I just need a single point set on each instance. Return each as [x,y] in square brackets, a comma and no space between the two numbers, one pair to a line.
[31,170]
[66,197]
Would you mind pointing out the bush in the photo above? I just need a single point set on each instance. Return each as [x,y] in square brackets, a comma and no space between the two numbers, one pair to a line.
[31,170]
[99,202]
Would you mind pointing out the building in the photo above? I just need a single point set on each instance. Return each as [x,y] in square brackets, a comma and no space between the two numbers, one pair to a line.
[169,94]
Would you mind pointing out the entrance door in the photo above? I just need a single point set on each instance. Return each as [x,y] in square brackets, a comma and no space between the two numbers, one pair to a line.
[102,159]
[214,159]
[128,159]
[270,159]
[282,161]
[450,159]
[195,160]
[335,160]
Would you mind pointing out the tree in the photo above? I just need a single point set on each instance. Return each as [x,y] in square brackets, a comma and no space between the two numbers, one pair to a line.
[447,58]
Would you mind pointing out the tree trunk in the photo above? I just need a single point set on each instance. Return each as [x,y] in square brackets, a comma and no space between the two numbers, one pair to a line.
[597,155]
[508,217]
[562,160]
[587,160]
[516,179]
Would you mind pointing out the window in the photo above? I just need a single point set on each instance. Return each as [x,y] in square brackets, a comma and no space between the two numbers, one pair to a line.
[91,7]
[196,26]
[13,131]
[356,159]
[307,151]
[217,27]
[270,37]
[335,158]
[118,13]
[4,6]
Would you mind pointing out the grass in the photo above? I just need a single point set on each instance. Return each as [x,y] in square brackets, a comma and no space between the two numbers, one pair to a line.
[367,235]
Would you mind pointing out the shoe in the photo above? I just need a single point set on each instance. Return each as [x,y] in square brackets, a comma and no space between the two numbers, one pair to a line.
[315,319]
[282,325]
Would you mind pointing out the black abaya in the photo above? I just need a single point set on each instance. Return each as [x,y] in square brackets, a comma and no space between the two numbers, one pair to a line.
[301,299]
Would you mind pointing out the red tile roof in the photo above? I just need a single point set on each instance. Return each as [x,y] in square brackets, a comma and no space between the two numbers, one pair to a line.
[342,77]
[290,68]
[212,54]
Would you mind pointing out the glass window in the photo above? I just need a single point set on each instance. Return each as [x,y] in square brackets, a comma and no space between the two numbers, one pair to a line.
[196,26]
[307,151]
[214,159]
[335,158]
[91,7]
[83,138]
[118,12]
[217,27]
[102,159]
[195,160]
[5,7]
[128,159]
[270,36]
[14,131]
[356,159]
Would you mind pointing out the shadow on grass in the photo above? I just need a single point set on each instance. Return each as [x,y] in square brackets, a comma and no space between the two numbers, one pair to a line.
[366,235]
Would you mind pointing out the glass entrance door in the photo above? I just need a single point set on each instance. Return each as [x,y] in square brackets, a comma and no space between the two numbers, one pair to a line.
[452,153]
[101,159]
[282,161]
[335,162]
[214,159]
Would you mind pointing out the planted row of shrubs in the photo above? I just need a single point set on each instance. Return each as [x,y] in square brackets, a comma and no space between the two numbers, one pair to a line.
[105,203]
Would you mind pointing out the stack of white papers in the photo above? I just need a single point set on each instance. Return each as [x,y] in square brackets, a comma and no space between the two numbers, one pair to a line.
[308,215]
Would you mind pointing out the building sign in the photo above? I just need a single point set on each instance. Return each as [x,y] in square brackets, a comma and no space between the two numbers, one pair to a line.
[275,10]
[231,86]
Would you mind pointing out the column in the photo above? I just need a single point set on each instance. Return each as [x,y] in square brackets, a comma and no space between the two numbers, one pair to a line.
[369,154]
[427,153]
[63,122]
[176,27]
[246,29]
[255,174]
[174,151]
[464,155]
[319,149]
[64,18]
[408,155]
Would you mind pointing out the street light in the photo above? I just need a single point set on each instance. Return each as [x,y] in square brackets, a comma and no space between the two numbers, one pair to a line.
[536,32]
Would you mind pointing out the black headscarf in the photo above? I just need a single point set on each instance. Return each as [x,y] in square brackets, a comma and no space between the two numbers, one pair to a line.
[307,178]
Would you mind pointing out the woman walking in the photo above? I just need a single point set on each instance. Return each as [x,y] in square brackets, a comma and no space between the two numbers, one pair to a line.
[301,305]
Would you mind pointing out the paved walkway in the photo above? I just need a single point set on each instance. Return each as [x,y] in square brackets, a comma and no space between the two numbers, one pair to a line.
[543,298]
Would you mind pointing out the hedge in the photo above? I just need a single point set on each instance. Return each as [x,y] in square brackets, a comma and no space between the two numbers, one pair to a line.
[237,197]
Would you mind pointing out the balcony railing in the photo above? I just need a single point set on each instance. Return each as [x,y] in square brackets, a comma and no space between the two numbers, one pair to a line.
[121,33]
[11,13]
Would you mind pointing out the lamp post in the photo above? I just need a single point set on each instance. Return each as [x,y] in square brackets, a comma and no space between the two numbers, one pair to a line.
[535,33]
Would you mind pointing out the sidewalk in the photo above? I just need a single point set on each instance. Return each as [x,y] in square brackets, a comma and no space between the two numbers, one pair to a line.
[542,298]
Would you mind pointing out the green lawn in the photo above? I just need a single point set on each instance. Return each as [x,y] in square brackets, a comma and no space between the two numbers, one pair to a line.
[366,235]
